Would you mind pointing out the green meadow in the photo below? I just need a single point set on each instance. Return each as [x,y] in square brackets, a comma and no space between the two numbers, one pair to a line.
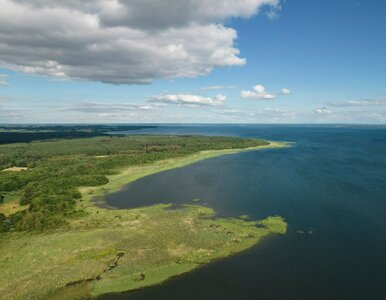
[89,250]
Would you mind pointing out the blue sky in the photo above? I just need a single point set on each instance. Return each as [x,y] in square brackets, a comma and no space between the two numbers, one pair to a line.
[330,56]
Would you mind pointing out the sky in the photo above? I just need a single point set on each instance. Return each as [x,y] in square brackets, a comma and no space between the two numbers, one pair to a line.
[193,61]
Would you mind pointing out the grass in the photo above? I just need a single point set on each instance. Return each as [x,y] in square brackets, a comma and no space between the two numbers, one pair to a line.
[156,244]
[109,250]
[11,204]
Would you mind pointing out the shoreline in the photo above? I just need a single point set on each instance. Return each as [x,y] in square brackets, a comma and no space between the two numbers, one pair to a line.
[131,174]
[134,173]
[105,250]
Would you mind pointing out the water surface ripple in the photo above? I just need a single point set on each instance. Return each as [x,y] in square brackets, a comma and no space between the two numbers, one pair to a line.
[330,187]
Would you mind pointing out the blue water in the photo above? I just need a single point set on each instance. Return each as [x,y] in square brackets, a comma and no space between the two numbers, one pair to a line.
[331,189]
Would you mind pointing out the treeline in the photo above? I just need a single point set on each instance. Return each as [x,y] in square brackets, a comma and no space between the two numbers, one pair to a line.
[25,137]
[57,168]
[26,134]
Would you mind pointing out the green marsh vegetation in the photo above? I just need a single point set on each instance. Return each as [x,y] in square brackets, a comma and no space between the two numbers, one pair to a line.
[56,169]
[55,243]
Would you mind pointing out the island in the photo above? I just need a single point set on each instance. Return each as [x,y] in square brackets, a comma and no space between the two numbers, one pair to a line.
[58,242]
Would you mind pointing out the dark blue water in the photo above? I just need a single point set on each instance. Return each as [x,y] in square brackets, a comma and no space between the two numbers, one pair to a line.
[330,187]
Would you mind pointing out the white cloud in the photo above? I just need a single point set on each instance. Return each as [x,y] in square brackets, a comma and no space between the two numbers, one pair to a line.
[280,112]
[273,13]
[359,103]
[188,99]
[230,111]
[375,116]
[108,108]
[351,117]
[158,14]
[322,111]
[218,87]
[257,93]
[121,41]
[285,91]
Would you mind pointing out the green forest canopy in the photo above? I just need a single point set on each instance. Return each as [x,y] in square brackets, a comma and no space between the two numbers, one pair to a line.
[57,168]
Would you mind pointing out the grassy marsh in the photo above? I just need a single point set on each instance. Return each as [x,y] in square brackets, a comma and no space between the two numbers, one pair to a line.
[153,243]
[109,250]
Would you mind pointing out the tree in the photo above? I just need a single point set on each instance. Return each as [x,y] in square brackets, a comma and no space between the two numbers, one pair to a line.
[1,198]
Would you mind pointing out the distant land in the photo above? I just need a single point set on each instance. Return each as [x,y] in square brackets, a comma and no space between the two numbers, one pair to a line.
[27,133]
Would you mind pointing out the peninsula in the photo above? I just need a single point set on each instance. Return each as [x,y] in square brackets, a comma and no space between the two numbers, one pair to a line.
[56,243]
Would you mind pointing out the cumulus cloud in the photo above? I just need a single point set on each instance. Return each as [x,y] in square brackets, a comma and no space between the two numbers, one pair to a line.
[285,91]
[258,92]
[359,103]
[121,41]
[188,99]
[322,111]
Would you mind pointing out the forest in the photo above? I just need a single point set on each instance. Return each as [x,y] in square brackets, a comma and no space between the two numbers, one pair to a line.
[27,133]
[49,173]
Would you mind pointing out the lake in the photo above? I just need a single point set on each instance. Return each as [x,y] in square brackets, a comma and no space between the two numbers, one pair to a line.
[330,187]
